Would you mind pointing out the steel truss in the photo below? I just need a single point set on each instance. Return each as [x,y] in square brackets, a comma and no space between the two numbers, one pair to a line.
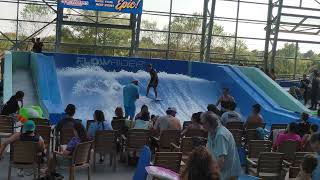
[279,22]
[276,22]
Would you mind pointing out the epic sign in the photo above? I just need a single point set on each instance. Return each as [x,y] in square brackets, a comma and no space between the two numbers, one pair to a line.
[123,6]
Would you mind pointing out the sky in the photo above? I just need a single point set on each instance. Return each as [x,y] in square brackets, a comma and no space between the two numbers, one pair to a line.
[223,9]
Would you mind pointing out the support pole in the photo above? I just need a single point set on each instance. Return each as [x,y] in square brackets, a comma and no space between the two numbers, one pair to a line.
[58,26]
[236,35]
[268,34]
[276,33]
[133,33]
[295,60]
[169,31]
[210,29]
[204,29]
[17,25]
[137,35]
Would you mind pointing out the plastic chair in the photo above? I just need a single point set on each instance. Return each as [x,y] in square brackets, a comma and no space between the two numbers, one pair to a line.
[144,161]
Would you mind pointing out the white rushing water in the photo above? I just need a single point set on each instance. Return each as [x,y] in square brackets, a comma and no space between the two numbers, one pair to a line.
[22,81]
[91,88]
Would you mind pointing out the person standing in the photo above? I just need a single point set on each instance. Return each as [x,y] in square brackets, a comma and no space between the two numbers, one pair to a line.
[130,96]
[305,83]
[153,83]
[37,45]
[273,74]
[315,145]
[222,146]
[12,106]
[225,100]
[315,91]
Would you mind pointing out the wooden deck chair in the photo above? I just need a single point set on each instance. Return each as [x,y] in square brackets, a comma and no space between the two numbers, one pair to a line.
[45,133]
[166,138]
[6,126]
[168,160]
[278,126]
[135,140]
[289,148]
[80,159]
[237,135]
[105,143]
[186,147]
[40,121]
[24,156]
[255,125]
[235,125]
[196,133]
[269,165]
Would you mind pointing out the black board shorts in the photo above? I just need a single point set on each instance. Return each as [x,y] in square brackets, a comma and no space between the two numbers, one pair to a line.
[153,84]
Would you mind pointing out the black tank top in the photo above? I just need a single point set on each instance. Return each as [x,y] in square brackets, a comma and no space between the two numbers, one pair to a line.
[24,137]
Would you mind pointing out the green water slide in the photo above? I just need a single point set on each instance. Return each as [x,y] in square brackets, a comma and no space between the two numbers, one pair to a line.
[274,90]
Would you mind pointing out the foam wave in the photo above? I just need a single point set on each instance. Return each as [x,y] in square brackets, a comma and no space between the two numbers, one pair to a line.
[91,88]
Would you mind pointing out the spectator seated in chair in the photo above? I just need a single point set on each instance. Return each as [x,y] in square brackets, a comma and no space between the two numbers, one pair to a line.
[230,115]
[213,108]
[195,123]
[289,135]
[80,136]
[99,124]
[142,118]
[28,134]
[169,121]
[68,121]
[255,117]
[307,167]
[306,138]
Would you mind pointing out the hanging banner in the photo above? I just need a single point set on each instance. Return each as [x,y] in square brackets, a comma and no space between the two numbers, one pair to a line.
[122,6]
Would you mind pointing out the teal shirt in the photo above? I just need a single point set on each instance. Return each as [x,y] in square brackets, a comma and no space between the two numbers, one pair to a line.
[130,94]
[223,144]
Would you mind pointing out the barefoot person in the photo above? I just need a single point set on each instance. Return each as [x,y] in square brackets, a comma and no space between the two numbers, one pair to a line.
[130,96]
[225,100]
[153,83]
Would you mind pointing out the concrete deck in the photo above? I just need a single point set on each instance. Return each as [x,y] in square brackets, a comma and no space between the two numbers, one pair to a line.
[103,172]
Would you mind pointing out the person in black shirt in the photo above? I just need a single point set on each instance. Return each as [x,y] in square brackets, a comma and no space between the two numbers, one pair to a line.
[153,81]
[305,82]
[68,121]
[37,45]
[12,106]
[304,126]
[315,91]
